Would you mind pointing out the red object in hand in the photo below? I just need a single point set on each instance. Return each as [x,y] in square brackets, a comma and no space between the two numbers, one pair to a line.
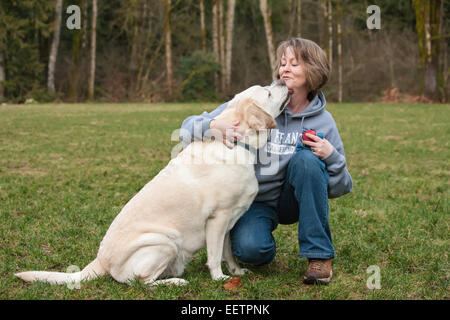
[306,138]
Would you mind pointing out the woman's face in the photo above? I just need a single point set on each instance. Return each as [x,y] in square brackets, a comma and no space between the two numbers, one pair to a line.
[292,71]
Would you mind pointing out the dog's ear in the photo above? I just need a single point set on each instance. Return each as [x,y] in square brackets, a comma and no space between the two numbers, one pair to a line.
[255,117]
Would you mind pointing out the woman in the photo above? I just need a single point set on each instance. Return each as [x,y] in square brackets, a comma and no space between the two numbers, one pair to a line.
[307,172]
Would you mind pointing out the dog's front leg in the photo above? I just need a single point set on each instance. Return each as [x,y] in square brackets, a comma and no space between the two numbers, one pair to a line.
[215,235]
[228,257]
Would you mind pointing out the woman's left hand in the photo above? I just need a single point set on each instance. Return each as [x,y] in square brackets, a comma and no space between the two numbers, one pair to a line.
[320,147]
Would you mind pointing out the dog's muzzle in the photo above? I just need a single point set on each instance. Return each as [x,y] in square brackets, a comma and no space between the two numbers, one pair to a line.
[285,102]
[280,82]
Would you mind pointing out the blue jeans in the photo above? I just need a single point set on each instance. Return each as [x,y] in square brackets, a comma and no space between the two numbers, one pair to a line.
[303,198]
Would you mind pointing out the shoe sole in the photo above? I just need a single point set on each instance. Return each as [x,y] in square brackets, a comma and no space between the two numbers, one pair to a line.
[322,281]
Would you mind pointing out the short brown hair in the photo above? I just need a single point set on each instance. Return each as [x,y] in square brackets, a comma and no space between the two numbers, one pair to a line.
[314,59]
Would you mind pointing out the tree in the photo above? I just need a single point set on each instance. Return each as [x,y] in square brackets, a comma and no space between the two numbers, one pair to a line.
[299,18]
[443,65]
[339,48]
[202,24]
[54,49]
[93,51]
[427,26]
[295,18]
[85,24]
[168,46]
[134,43]
[330,33]
[265,11]
[2,76]
[215,38]
[222,47]
[75,66]
[25,29]
[143,26]
[327,29]
[229,43]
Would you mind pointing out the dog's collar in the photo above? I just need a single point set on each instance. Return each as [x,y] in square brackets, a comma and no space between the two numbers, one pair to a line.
[246,146]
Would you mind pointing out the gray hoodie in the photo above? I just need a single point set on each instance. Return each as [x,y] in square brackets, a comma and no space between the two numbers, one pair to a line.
[270,168]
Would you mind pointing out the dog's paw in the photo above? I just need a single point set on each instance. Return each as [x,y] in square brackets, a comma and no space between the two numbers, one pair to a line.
[221,277]
[241,271]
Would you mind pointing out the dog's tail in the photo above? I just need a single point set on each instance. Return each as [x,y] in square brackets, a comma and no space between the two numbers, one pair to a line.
[91,271]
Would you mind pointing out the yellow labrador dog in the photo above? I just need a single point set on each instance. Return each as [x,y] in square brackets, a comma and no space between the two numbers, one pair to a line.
[194,201]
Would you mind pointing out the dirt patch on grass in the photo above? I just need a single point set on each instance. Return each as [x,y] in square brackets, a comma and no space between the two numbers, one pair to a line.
[394,95]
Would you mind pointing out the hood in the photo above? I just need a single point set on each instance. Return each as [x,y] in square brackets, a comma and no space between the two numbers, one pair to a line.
[316,106]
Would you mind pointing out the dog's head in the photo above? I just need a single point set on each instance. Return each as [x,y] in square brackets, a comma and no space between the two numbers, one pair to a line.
[256,109]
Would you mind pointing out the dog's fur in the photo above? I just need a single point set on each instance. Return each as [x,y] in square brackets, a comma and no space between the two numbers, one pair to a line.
[194,201]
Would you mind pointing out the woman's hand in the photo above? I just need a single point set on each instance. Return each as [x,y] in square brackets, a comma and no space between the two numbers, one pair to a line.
[230,131]
[320,147]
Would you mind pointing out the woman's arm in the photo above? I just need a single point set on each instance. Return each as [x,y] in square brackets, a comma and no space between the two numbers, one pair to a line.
[195,127]
[340,181]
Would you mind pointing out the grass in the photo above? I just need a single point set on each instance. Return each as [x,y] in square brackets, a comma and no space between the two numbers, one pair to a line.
[66,170]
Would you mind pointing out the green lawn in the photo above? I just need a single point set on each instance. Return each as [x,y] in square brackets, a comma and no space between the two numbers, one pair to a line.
[66,170]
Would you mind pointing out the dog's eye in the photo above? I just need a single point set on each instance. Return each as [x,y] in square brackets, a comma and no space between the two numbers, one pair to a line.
[270,94]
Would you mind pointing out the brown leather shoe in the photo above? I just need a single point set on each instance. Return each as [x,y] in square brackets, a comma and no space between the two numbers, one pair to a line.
[319,271]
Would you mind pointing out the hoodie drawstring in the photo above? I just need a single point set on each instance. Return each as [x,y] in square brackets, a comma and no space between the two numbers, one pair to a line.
[301,129]
[300,139]
[285,122]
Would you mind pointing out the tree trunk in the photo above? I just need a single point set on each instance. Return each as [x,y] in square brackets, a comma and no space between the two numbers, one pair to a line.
[202,24]
[299,18]
[443,61]
[135,39]
[151,64]
[326,27]
[215,38]
[142,46]
[322,21]
[430,71]
[330,34]
[54,48]
[74,72]
[2,76]
[84,5]
[265,11]
[229,44]
[223,68]
[390,56]
[427,26]
[292,17]
[93,51]
[168,42]
[339,49]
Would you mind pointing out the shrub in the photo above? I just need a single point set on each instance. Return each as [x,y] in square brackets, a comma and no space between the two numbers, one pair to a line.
[197,77]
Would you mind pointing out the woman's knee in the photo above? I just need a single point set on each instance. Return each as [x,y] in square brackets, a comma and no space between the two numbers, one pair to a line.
[251,237]
[304,163]
[251,251]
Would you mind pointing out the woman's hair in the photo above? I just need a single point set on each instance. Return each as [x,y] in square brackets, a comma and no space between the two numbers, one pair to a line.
[314,59]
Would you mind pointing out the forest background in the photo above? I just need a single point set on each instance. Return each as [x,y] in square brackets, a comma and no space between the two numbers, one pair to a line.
[207,50]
